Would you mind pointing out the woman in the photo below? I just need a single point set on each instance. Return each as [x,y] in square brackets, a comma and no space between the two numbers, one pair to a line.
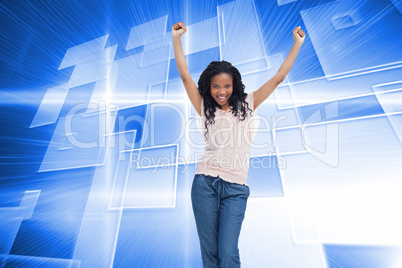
[219,191]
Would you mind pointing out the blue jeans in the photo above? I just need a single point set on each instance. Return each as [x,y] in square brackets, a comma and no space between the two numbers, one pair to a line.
[219,207]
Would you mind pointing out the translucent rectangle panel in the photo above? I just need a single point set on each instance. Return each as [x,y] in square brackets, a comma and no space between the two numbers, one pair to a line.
[176,90]
[258,72]
[375,256]
[156,156]
[289,140]
[253,66]
[388,86]
[397,4]
[323,90]
[347,108]
[134,82]
[284,97]
[261,131]
[390,101]
[240,38]
[90,71]
[78,141]
[396,123]
[351,47]
[200,36]
[124,166]
[264,177]
[33,261]
[28,202]
[349,19]
[84,52]
[50,106]
[133,118]
[276,118]
[284,2]
[166,122]
[151,188]
[77,100]
[9,227]
[156,55]
[158,92]
[141,33]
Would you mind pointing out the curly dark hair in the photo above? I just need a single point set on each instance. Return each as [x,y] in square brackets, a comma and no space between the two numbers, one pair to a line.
[237,100]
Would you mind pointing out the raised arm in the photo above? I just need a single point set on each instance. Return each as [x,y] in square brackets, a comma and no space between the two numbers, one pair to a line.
[265,90]
[192,91]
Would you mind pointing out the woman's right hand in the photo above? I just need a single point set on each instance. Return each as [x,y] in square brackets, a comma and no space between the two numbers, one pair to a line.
[178,29]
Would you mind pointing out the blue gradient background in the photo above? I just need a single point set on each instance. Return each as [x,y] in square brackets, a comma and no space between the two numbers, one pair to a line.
[325,192]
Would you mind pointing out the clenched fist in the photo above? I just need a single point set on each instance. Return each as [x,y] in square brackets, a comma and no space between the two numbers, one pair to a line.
[298,35]
[178,29]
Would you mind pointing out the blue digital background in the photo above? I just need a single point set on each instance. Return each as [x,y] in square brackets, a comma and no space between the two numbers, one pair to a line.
[92,104]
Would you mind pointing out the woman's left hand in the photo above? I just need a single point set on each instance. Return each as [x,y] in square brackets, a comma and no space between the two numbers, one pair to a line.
[298,35]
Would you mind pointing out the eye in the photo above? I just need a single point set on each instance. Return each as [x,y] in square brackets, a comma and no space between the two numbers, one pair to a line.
[215,86]
[227,86]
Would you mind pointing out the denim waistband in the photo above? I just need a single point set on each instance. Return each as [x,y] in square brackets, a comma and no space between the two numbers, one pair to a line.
[215,179]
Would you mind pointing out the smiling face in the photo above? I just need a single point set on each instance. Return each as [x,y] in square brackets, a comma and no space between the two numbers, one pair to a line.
[222,89]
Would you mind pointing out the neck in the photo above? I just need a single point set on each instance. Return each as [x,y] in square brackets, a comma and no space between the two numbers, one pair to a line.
[225,108]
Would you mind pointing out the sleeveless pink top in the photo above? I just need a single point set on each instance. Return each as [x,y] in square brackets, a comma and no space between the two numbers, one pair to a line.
[228,144]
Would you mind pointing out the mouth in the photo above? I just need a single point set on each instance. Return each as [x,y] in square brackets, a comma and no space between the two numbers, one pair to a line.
[222,98]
